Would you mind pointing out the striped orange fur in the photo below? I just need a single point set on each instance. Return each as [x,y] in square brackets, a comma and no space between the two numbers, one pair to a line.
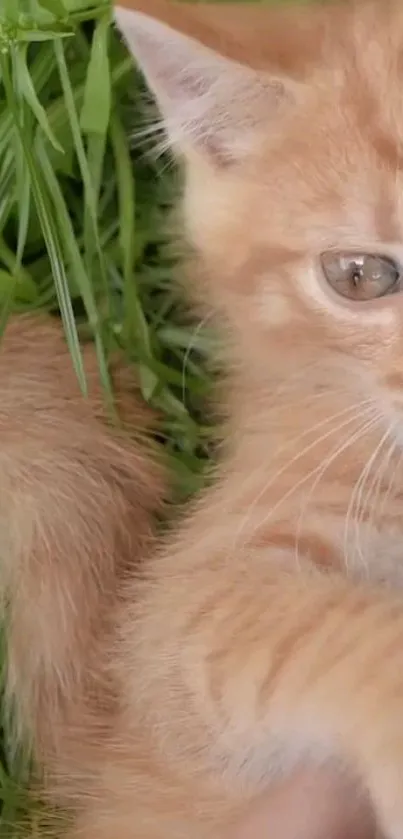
[266,632]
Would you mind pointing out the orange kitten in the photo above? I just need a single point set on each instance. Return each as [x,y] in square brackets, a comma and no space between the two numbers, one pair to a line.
[267,631]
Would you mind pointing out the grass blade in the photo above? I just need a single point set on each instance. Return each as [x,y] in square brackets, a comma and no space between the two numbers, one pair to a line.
[50,233]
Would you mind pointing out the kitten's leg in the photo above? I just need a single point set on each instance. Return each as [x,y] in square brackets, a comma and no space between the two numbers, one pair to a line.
[264,670]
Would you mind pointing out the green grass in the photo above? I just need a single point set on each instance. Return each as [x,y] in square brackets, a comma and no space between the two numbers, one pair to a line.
[82,211]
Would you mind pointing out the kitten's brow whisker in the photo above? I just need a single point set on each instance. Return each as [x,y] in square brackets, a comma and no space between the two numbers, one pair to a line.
[155,132]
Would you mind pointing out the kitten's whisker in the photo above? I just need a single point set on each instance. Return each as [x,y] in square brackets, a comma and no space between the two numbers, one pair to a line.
[350,513]
[300,373]
[359,491]
[285,406]
[391,484]
[299,376]
[326,464]
[290,444]
[345,445]
[374,492]
[358,415]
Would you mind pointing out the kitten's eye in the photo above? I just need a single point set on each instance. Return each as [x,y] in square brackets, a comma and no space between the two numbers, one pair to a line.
[361,276]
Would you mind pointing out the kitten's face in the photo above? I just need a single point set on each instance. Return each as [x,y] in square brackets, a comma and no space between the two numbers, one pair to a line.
[294,192]
[306,237]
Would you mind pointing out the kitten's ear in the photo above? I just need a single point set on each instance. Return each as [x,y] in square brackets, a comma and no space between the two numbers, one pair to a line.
[208,102]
